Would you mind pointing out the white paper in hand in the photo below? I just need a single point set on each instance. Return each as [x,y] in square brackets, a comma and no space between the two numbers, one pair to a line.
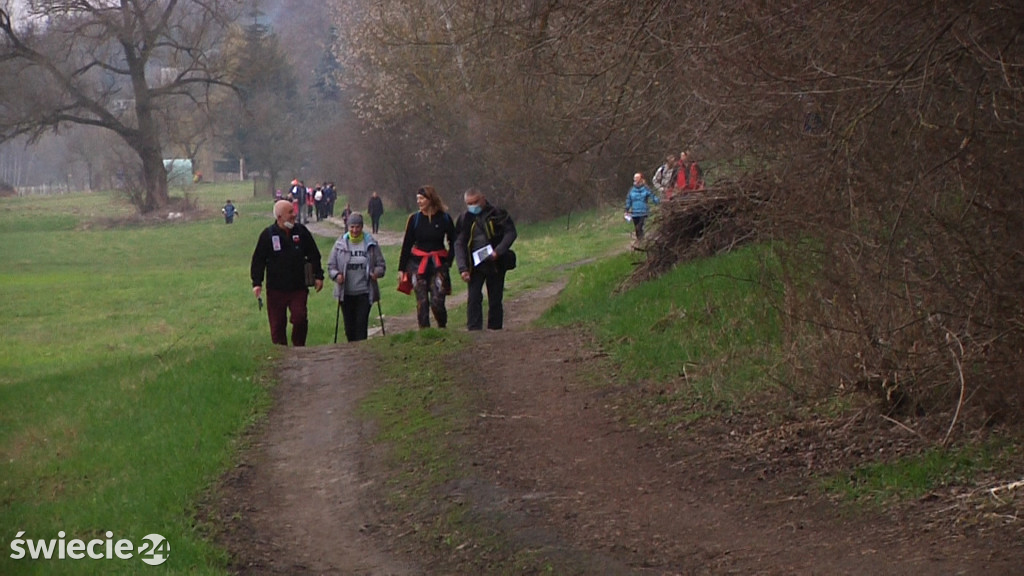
[482,254]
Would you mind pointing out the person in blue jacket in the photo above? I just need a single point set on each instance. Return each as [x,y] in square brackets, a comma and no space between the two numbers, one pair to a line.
[636,204]
[229,212]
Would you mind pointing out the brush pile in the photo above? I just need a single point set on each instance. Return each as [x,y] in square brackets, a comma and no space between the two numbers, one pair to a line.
[702,224]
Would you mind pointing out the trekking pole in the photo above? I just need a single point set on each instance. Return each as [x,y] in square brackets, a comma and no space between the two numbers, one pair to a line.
[337,316]
[381,314]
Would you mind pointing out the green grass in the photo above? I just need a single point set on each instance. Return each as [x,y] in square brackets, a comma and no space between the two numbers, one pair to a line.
[131,361]
[913,477]
[704,326]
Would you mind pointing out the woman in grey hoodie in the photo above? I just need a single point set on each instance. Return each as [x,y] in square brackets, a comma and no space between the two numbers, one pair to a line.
[355,265]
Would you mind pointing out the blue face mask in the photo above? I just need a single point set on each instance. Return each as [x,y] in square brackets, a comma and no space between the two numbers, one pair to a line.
[475,209]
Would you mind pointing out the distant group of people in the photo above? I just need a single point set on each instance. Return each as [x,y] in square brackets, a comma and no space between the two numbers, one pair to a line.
[307,201]
[478,243]
[676,178]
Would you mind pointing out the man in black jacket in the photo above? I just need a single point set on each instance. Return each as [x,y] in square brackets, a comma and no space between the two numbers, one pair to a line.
[376,209]
[483,255]
[282,251]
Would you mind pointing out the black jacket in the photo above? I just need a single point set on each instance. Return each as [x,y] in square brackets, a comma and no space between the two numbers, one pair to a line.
[492,223]
[282,255]
[375,207]
[428,233]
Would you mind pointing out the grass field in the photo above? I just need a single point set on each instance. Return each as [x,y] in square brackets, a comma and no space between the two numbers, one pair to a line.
[132,359]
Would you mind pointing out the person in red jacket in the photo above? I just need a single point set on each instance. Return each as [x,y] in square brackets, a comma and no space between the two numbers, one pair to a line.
[689,176]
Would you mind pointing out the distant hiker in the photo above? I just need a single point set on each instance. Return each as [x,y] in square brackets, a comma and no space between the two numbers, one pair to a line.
[318,199]
[330,195]
[375,209]
[297,194]
[689,176]
[488,228]
[665,177]
[229,212]
[355,265]
[282,251]
[310,204]
[636,204]
[344,215]
[425,258]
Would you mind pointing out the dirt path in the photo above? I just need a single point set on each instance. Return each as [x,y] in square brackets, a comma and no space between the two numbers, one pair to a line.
[555,454]
[562,474]
[303,499]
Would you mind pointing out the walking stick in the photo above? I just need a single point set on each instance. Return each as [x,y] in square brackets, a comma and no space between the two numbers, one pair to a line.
[337,316]
[380,313]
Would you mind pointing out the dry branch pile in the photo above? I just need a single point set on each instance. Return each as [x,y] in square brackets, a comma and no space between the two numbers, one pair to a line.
[703,224]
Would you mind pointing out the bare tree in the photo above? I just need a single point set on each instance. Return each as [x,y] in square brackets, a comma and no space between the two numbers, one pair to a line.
[122,66]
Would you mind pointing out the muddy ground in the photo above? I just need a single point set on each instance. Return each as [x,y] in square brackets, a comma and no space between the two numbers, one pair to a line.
[560,469]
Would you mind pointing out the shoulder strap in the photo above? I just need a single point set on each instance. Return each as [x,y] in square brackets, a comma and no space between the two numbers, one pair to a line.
[501,215]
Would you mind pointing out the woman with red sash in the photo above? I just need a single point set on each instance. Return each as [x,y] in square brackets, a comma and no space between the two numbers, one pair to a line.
[427,254]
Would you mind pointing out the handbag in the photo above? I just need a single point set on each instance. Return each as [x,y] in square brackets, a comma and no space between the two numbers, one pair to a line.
[308,271]
[404,283]
[508,260]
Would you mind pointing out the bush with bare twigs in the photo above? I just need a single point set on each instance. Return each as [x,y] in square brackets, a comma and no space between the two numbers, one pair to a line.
[702,224]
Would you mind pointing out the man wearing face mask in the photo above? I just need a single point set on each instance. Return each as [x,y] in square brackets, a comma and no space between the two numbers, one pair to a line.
[282,251]
[483,254]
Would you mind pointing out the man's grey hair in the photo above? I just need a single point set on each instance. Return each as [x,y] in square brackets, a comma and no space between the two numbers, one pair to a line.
[473,193]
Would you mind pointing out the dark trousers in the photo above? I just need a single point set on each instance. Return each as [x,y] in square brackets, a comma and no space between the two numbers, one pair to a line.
[376,222]
[638,225]
[493,276]
[355,309]
[281,304]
